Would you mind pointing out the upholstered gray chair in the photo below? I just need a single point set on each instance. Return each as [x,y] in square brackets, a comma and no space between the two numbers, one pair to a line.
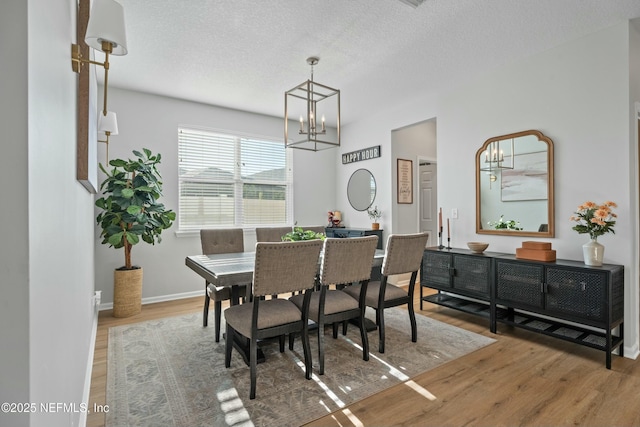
[219,241]
[344,262]
[271,234]
[279,268]
[403,255]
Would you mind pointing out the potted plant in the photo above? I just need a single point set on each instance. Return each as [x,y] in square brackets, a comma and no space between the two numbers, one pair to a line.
[374,215]
[501,224]
[130,211]
[299,234]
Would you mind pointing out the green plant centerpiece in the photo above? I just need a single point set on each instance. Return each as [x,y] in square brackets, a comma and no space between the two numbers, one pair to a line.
[299,234]
[130,212]
[130,207]
[503,224]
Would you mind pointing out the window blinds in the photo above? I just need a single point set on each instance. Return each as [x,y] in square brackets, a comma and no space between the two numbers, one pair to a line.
[232,181]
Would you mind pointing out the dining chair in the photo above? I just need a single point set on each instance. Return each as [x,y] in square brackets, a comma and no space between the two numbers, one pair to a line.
[403,255]
[218,241]
[271,234]
[279,268]
[344,262]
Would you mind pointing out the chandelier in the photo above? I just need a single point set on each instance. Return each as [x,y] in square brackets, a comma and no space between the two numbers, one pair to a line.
[312,100]
[494,159]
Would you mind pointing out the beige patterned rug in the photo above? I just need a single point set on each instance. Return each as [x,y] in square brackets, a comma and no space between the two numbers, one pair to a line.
[170,372]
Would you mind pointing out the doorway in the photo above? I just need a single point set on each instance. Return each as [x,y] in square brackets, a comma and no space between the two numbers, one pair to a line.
[427,178]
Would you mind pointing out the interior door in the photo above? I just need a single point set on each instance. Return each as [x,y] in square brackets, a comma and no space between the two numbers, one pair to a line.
[429,201]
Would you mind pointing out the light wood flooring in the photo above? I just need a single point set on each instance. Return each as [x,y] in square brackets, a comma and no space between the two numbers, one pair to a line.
[522,379]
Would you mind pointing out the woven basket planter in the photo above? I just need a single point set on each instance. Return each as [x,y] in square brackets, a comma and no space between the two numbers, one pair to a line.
[127,292]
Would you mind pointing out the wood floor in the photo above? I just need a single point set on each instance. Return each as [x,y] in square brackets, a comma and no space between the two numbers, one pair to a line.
[522,379]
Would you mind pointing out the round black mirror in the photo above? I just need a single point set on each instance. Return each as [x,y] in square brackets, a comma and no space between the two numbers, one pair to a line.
[361,190]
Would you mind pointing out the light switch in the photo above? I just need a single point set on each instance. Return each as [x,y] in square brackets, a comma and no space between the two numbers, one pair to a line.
[454,213]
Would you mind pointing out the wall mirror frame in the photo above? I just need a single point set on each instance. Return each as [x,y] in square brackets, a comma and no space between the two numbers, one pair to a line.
[361,190]
[510,181]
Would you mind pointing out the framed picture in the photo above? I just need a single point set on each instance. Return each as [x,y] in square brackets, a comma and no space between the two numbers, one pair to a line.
[528,178]
[405,181]
[87,130]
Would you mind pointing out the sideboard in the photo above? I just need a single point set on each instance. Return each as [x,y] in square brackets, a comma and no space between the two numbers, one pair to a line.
[354,232]
[563,299]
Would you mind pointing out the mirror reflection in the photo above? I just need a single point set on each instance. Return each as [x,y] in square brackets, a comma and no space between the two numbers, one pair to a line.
[361,190]
[514,185]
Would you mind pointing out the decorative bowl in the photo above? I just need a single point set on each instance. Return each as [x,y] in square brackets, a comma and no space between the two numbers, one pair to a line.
[477,247]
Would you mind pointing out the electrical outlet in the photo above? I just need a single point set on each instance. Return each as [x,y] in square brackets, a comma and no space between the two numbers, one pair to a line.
[454,213]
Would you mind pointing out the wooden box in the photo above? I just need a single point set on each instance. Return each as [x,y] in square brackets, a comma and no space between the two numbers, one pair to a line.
[537,245]
[536,254]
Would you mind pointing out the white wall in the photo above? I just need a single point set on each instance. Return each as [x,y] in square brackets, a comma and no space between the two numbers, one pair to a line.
[150,121]
[578,95]
[46,262]
[14,180]
[377,130]
[414,142]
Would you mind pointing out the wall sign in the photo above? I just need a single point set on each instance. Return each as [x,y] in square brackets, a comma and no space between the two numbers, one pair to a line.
[364,154]
[405,181]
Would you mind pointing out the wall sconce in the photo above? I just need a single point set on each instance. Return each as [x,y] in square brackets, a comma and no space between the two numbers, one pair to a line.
[108,124]
[106,33]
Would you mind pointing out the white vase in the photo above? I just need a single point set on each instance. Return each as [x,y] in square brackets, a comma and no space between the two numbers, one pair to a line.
[593,253]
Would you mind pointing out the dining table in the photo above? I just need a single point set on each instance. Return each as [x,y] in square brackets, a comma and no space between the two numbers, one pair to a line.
[233,269]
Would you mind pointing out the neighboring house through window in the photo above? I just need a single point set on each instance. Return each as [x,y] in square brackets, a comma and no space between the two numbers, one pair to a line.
[228,180]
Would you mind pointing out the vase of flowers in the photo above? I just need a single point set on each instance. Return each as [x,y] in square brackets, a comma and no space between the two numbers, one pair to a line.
[595,220]
[374,215]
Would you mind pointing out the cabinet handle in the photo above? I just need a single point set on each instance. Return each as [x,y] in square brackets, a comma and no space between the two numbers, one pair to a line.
[543,287]
[584,286]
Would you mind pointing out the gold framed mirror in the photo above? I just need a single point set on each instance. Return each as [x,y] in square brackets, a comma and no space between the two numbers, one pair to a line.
[514,185]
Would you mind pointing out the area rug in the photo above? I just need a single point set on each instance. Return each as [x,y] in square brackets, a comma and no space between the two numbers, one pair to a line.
[170,372]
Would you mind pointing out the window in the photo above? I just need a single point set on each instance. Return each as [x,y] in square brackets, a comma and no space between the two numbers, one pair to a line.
[232,181]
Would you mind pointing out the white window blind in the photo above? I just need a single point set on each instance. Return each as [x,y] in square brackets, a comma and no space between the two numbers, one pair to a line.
[232,181]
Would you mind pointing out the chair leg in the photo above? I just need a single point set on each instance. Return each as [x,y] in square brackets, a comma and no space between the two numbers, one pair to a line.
[344,327]
[292,338]
[281,342]
[217,311]
[334,327]
[205,312]
[380,322]
[321,347]
[412,319]
[253,356]
[228,347]
[306,347]
[365,339]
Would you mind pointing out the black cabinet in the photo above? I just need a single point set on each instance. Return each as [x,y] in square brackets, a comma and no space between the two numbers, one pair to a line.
[563,299]
[462,278]
[353,232]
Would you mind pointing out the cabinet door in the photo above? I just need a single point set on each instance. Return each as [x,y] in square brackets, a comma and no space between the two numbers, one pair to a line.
[472,274]
[578,294]
[519,283]
[436,270]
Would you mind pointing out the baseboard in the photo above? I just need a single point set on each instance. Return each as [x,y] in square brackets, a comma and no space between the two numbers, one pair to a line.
[631,352]
[162,298]
[92,346]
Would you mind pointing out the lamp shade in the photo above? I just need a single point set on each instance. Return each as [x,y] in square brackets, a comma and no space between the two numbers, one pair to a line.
[106,23]
[108,123]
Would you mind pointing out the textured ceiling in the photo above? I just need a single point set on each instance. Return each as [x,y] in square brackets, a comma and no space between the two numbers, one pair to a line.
[244,54]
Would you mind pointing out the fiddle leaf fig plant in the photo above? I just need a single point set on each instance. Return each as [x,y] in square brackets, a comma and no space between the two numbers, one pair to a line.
[129,203]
